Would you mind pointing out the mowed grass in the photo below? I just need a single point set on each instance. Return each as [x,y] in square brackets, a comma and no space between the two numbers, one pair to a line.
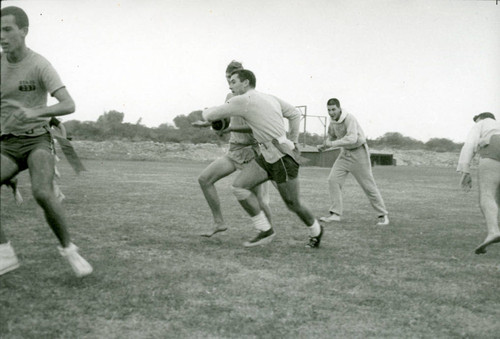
[138,223]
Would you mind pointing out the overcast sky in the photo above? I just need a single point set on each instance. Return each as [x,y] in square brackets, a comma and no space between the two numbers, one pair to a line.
[423,68]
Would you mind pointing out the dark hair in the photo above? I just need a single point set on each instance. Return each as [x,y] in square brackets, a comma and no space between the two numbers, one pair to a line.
[19,15]
[333,102]
[245,74]
[484,115]
[233,66]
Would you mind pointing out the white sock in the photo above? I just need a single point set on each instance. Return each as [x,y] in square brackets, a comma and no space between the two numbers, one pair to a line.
[314,229]
[260,222]
[7,249]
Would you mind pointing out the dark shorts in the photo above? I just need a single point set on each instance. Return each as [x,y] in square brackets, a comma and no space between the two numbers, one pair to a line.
[18,148]
[282,170]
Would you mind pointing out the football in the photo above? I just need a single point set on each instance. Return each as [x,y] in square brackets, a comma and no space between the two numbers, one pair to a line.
[220,125]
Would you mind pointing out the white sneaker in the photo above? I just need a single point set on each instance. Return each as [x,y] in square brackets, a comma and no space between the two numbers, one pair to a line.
[8,258]
[383,220]
[79,265]
[330,218]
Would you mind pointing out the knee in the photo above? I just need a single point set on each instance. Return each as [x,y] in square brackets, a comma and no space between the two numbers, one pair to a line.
[240,193]
[204,180]
[42,194]
[201,180]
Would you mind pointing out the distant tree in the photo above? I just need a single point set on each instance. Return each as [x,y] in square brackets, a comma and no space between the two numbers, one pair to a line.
[89,130]
[184,122]
[310,139]
[396,140]
[72,126]
[442,145]
[111,118]
[110,126]
[195,134]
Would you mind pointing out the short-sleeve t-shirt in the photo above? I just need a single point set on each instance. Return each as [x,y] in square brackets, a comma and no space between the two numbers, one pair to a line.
[26,84]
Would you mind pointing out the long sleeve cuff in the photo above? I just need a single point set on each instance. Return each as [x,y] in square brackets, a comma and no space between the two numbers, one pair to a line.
[463,167]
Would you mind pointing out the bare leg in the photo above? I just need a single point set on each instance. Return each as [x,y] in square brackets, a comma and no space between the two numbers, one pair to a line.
[8,170]
[262,193]
[489,188]
[251,176]
[41,167]
[217,170]
[8,258]
[290,192]
[246,190]
[12,183]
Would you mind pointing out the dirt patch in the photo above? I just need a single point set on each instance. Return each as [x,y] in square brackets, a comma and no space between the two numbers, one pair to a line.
[146,150]
[422,158]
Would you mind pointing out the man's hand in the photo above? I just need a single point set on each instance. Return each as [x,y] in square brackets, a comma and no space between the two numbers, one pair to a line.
[296,150]
[221,132]
[201,123]
[25,114]
[482,143]
[466,182]
[322,147]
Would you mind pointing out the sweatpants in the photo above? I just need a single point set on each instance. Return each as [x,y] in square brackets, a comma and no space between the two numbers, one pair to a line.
[357,162]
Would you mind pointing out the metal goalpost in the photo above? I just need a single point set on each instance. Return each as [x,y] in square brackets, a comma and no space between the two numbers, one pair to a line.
[304,116]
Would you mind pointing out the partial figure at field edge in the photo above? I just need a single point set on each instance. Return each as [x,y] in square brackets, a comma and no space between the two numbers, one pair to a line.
[484,138]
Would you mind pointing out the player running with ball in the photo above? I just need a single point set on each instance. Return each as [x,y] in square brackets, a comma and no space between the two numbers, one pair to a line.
[278,161]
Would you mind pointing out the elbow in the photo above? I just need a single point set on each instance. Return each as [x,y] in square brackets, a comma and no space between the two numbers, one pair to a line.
[351,140]
[70,106]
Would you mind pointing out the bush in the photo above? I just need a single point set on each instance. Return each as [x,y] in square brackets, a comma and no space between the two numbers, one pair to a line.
[110,126]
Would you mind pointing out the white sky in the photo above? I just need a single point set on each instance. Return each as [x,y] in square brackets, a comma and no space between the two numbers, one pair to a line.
[423,68]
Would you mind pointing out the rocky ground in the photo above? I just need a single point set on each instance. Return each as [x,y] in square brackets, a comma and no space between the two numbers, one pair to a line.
[154,151]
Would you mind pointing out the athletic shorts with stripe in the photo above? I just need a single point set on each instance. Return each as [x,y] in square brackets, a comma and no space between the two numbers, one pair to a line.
[282,170]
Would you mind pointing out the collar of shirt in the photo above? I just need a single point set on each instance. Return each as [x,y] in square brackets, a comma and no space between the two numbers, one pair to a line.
[342,117]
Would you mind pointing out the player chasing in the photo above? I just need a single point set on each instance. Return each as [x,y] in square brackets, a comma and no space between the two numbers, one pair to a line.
[242,150]
[26,143]
[345,132]
[277,160]
[484,138]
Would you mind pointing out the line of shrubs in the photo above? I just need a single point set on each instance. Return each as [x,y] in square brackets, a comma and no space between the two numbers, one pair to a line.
[110,126]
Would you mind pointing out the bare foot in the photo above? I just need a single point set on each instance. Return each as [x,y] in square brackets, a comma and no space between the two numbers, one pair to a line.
[217,229]
[481,249]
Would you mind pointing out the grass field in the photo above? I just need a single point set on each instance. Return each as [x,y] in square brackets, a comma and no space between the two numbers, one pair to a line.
[138,223]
